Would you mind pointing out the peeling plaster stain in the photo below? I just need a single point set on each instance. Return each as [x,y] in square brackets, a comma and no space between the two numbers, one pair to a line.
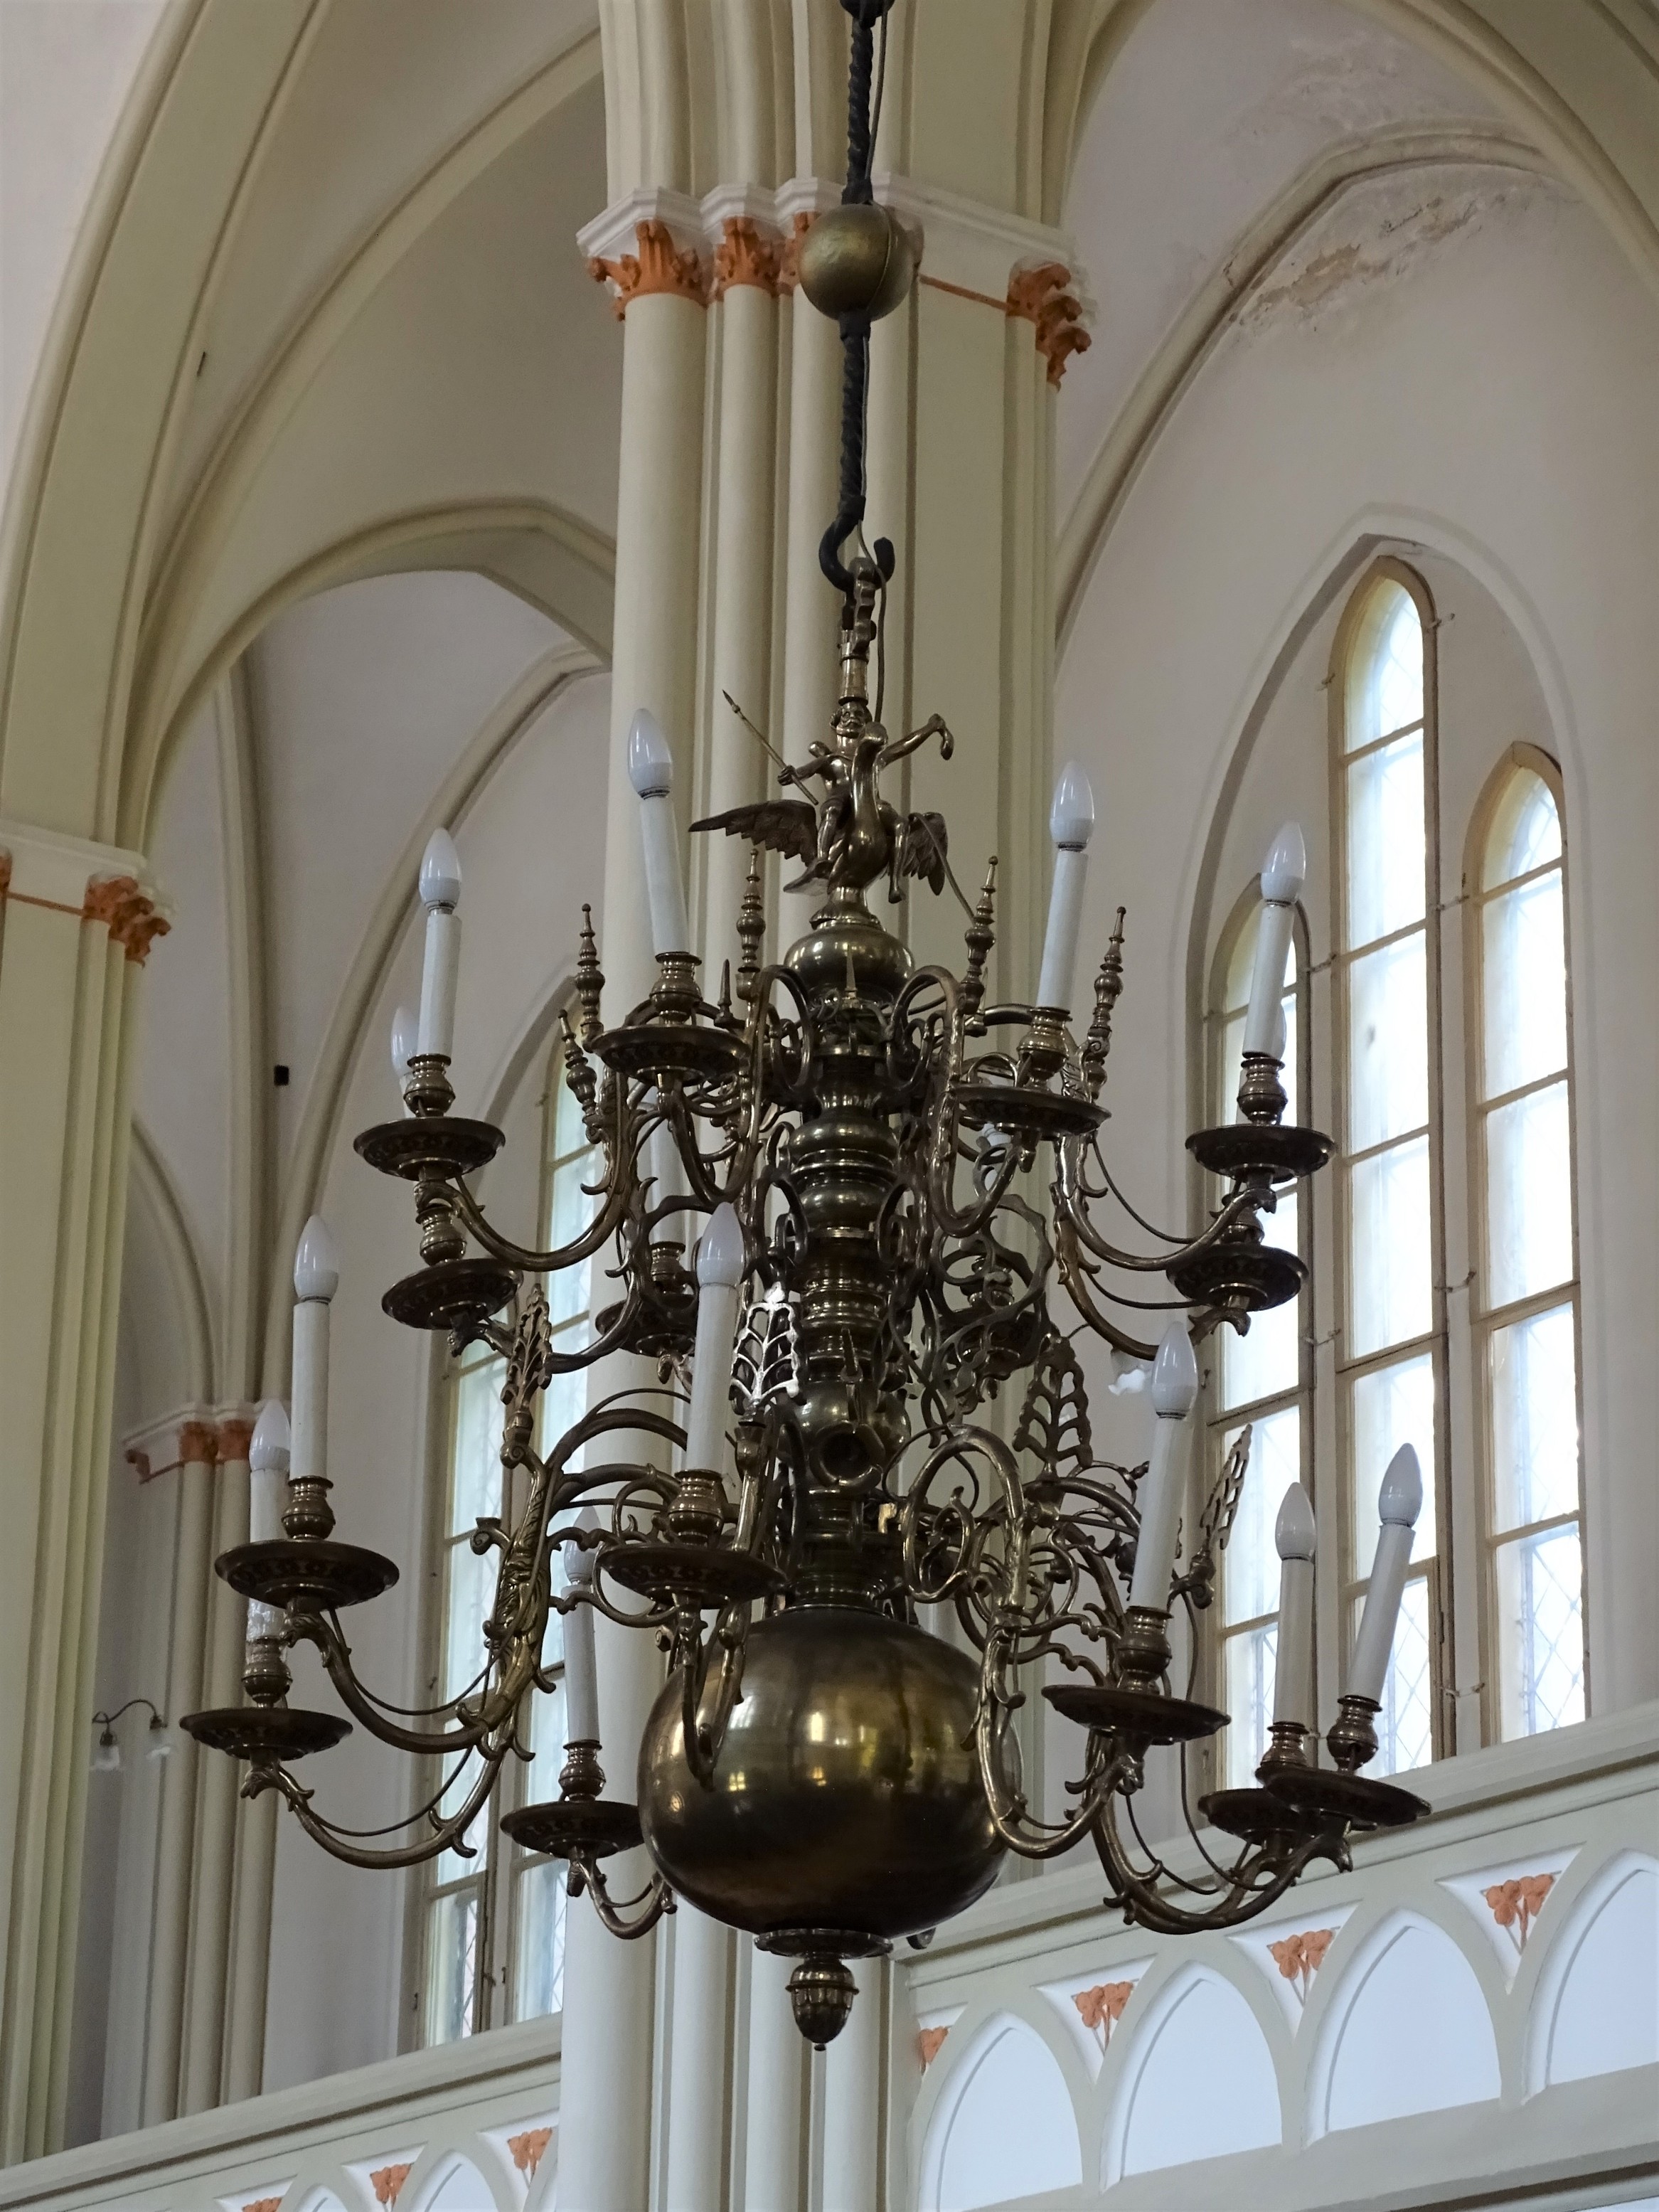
[1377,237]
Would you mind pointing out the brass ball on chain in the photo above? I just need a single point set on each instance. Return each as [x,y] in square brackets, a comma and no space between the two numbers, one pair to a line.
[857,260]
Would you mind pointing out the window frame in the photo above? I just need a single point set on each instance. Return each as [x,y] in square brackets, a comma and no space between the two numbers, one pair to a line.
[1486,1321]
[1348,1367]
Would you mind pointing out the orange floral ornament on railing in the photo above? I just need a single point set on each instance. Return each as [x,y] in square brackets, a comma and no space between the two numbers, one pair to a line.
[1515,1905]
[1101,2007]
[387,2181]
[929,2041]
[1299,1957]
[529,2148]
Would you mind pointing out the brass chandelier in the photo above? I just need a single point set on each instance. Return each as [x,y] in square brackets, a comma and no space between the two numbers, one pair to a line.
[862,1143]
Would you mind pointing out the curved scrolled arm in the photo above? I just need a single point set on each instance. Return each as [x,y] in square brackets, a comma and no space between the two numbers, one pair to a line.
[1074,1274]
[1257,1879]
[340,1844]
[651,1902]
[1010,1811]
[323,1629]
[619,1188]
[1071,1207]
[716,1669]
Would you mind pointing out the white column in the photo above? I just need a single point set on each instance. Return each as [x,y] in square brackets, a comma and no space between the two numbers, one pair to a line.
[778,2058]
[192,1569]
[853,2099]
[605,2095]
[698,2064]
[217,1781]
[739,771]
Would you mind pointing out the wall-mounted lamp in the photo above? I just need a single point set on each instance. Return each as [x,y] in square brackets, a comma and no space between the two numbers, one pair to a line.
[107,1752]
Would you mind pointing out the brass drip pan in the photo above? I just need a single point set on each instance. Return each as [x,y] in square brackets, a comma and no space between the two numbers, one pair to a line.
[1148,1715]
[318,1577]
[600,1827]
[443,1145]
[267,1736]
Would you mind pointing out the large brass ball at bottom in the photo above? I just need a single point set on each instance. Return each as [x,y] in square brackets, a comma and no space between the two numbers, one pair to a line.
[856,261]
[846,1793]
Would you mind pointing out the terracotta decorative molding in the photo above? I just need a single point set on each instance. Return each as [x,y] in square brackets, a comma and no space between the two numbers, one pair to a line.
[1043,297]
[789,255]
[128,912]
[929,2041]
[528,2149]
[1298,1958]
[745,255]
[1515,1905]
[387,2181]
[236,1434]
[199,1444]
[263,2204]
[659,266]
[1101,2007]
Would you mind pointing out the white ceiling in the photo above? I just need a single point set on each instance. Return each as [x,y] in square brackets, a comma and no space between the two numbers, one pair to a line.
[1209,112]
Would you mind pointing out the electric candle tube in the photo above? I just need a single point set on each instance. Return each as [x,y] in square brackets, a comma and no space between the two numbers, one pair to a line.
[1283,874]
[267,1463]
[667,1172]
[719,1271]
[405,1037]
[1293,1537]
[441,894]
[1175,1392]
[316,1279]
[582,1681]
[651,772]
[1071,825]
[1398,1504]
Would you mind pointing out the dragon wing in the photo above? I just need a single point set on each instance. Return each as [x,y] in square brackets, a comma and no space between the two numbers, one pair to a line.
[784,825]
[925,846]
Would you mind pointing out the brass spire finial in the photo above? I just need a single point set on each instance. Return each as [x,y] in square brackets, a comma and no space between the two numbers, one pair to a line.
[1108,985]
[979,936]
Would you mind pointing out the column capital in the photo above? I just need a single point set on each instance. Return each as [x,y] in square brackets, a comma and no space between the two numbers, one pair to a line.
[666,233]
[1028,269]
[190,1436]
[79,876]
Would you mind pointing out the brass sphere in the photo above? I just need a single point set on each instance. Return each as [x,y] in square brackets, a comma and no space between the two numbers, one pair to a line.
[856,261]
[847,1794]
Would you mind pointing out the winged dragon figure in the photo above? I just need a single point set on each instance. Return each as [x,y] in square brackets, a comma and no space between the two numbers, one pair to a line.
[850,835]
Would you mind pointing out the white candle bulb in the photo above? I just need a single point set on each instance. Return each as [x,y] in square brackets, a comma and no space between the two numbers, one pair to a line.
[267,1462]
[267,1466]
[581,1684]
[1071,825]
[441,894]
[1398,1504]
[1283,874]
[651,772]
[1293,1537]
[316,1279]
[1175,1393]
[406,1036]
[719,1271]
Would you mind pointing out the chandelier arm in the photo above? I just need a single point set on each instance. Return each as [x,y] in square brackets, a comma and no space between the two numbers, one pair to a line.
[599,1232]
[337,1842]
[718,1659]
[655,1898]
[1247,1896]
[1070,1204]
[1008,1808]
[1075,1279]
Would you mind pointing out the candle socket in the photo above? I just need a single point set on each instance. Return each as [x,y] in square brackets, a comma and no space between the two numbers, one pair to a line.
[307,1517]
[1262,1096]
[1287,1746]
[438,1221]
[265,1675]
[581,1776]
[1143,1650]
[674,996]
[427,1089]
[1043,1048]
[697,1511]
[1352,1737]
